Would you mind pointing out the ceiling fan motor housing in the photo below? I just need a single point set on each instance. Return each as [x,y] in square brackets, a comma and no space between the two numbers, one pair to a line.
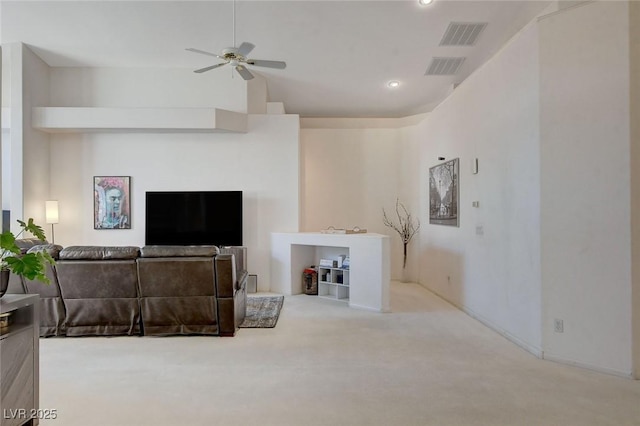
[232,53]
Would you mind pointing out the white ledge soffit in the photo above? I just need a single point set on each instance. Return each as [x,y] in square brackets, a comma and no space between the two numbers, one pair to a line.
[156,120]
[360,123]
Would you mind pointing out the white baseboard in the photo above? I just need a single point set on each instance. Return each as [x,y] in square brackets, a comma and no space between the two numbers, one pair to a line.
[611,371]
[365,308]
[534,350]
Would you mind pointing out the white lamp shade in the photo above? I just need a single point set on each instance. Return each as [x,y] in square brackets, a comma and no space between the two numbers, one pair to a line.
[51,211]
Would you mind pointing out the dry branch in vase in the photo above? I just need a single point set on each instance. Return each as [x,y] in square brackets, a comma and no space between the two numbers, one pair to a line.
[407,226]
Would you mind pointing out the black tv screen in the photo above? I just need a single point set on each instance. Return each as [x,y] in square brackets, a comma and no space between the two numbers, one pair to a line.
[194,218]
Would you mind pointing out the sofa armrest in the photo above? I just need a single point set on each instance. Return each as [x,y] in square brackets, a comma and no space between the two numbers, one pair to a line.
[240,299]
[225,275]
[241,282]
[231,294]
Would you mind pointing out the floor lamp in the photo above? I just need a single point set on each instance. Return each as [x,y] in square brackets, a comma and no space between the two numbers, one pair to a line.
[51,216]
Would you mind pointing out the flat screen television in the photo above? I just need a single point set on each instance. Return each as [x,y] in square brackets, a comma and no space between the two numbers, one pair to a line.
[194,218]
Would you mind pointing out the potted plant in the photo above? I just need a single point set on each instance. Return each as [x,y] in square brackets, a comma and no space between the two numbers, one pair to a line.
[406,227]
[30,265]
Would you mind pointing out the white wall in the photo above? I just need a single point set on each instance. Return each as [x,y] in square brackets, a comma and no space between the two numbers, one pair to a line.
[351,173]
[258,162]
[585,174]
[141,87]
[492,116]
[24,84]
[5,114]
[12,132]
[634,54]
[25,184]
[35,145]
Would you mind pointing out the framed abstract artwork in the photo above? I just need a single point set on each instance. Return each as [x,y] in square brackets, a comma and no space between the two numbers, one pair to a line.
[444,192]
[111,202]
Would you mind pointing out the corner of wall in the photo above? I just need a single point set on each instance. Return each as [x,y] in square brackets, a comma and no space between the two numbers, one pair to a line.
[35,144]
[275,108]
[587,252]
[257,95]
[12,68]
[634,57]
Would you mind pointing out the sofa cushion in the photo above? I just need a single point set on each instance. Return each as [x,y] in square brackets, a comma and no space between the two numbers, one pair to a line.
[100,296]
[99,253]
[26,243]
[52,249]
[177,295]
[179,251]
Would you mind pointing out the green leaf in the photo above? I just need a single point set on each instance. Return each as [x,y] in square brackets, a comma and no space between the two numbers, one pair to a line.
[7,240]
[44,256]
[30,266]
[8,244]
[36,230]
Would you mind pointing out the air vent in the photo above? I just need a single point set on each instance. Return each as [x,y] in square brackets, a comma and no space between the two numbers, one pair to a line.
[462,33]
[444,66]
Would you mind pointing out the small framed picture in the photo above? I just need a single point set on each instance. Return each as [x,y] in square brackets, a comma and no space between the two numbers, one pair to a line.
[111,202]
[444,193]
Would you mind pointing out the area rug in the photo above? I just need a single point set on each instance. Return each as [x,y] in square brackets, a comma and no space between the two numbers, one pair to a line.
[262,311]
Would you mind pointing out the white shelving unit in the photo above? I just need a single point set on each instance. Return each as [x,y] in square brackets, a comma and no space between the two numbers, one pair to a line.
[333,283]
[369,273]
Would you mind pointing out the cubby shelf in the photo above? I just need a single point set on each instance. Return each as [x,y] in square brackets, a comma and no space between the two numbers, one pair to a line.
[333,283]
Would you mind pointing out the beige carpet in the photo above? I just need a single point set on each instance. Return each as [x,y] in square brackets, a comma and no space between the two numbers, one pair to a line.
[326,364]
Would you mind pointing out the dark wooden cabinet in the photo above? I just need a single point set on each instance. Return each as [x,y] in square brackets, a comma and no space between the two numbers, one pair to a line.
[19,361]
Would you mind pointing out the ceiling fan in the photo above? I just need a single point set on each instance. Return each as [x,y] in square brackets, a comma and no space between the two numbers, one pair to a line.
[237,56]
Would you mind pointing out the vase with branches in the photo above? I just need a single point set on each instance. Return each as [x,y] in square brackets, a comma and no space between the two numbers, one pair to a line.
[406,226]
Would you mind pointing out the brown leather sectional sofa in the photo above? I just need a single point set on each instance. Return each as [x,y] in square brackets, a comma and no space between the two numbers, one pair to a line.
[153,290]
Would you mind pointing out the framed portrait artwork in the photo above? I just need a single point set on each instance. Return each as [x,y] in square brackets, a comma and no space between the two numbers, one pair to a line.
[444,192]
[111,202]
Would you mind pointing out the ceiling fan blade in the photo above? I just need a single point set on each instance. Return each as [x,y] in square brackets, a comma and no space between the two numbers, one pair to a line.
[191,49]
[245,48]
[210,68]
[269,64]
[244,73]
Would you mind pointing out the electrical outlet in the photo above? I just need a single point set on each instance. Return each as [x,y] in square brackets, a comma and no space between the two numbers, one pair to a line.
[558,325]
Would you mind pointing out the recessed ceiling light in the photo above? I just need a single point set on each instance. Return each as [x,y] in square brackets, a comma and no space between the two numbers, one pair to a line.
[393,84]
[425,2]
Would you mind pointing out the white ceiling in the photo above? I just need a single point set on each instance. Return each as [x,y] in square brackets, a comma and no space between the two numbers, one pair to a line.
[340,54]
